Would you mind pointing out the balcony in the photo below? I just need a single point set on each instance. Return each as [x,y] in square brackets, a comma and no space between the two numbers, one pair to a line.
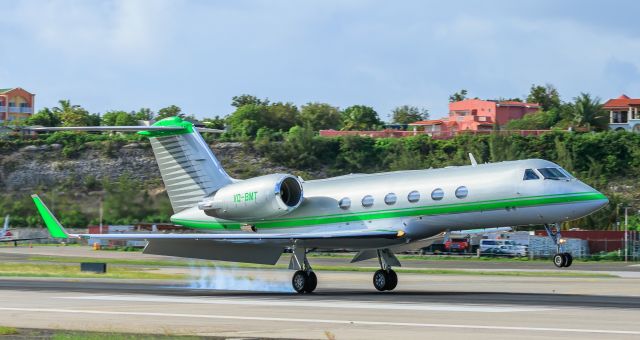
[16,109]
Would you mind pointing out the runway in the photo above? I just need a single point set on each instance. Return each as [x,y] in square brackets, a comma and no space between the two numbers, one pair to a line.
[345,306]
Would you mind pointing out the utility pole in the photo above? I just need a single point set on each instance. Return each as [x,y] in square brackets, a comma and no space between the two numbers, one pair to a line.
[101,216]
[626,233]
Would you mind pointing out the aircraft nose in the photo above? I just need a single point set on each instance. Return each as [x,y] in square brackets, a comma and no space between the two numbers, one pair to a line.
[598,199]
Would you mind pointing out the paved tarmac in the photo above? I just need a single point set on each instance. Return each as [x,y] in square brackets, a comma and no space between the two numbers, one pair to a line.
[345,306]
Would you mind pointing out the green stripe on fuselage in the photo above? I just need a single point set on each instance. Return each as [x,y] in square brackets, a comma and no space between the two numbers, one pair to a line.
[453,208]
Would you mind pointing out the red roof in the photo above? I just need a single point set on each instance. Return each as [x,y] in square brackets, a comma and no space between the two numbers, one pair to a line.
[621,102]
[428,122]
[516,103]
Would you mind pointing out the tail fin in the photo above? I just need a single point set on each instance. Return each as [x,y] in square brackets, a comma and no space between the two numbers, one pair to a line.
[55,228]
[6,225]
[189,169]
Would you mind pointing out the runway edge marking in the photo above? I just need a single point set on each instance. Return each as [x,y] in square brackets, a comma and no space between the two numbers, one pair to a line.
[325,321]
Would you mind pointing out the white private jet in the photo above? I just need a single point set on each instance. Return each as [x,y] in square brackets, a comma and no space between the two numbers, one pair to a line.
[258,219]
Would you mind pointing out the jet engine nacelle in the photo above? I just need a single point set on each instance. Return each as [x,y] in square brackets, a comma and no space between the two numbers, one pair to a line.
[255,198]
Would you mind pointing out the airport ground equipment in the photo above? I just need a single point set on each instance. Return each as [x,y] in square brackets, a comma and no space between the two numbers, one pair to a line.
[256,220]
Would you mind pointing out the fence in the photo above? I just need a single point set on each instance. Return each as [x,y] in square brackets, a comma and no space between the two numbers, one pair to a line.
[435,135]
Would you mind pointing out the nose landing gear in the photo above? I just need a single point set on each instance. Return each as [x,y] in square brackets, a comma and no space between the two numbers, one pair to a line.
[560,259]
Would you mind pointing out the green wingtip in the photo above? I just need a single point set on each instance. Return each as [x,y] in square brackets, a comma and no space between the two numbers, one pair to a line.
[187,127]
[55,228]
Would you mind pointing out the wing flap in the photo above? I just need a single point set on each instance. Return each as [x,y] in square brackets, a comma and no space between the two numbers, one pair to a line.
[215,250]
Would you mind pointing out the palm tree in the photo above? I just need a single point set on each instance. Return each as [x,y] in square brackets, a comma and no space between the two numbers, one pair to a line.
[589,112]
[71,115]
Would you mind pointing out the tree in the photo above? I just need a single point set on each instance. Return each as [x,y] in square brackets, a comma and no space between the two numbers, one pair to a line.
[44,117]
[282,116]
[247,99]
[170,111]
[458,96]
[406,114]
[589,112]
[360,117]
[144,113]
[320,116]
[119,118]
[547,96]
[214,123]
[74,115]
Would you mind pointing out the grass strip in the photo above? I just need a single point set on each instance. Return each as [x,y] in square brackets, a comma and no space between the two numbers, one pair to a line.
[426,271]
[22,269]
[8,330]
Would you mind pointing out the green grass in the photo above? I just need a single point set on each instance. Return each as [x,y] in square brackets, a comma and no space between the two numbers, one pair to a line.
[471,272]
[426,271]
[78,335]
[8,330]
[22,269]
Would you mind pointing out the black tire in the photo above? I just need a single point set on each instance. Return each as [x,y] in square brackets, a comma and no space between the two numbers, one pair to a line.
[569,259]
[393,280]
[559,260]
[380,280]
[312,282]
[300,281]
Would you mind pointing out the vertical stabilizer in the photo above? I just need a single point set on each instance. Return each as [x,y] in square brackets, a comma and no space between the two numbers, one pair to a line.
[189,169]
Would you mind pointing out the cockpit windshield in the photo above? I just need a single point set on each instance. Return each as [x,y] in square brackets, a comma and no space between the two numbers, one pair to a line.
[554,173]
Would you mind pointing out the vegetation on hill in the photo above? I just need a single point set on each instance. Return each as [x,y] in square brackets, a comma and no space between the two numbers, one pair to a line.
[287,135]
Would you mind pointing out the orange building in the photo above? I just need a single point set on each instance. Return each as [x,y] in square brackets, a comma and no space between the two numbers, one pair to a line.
[624,113]
[15,104]
[477,115]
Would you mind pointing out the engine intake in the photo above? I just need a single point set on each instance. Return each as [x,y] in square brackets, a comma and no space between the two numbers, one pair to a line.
[255,198]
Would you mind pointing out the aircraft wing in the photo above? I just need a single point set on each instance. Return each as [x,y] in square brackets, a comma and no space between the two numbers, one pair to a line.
[240,247]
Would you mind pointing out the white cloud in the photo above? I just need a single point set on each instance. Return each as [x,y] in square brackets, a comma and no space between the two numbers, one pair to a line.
[126,30]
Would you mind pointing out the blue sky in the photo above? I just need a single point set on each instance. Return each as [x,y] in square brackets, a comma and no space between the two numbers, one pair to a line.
[198,54]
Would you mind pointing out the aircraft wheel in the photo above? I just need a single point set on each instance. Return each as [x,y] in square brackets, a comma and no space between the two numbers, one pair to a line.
[568,259]
[299,281]
[393,280]
[312,282]
[559,260]
[380,280]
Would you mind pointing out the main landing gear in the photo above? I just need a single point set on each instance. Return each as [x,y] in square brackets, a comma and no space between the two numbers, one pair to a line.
[304,279]
[385,278]
[560,259]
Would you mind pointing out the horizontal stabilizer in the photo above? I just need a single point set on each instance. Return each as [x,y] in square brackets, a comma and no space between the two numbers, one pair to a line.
[136,128]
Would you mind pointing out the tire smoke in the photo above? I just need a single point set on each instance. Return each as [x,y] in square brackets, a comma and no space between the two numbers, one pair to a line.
[226,278]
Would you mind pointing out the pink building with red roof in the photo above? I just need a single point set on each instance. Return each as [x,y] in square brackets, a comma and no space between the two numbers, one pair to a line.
[623,113]
[477,115]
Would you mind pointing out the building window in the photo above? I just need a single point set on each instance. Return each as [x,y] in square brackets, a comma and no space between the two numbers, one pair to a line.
[390,199]
[345,203]
[367,201]
[413,196]
[462,192]
[529,174]
[437,194]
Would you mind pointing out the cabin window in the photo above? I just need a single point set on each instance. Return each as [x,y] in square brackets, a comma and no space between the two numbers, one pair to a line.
[413,196]
[552,173]
[367,201]
[462,192]
[390,199]
[437,194]
[345,203]
[529,174]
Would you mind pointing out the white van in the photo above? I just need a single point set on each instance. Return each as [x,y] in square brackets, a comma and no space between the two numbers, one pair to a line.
[502,247]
